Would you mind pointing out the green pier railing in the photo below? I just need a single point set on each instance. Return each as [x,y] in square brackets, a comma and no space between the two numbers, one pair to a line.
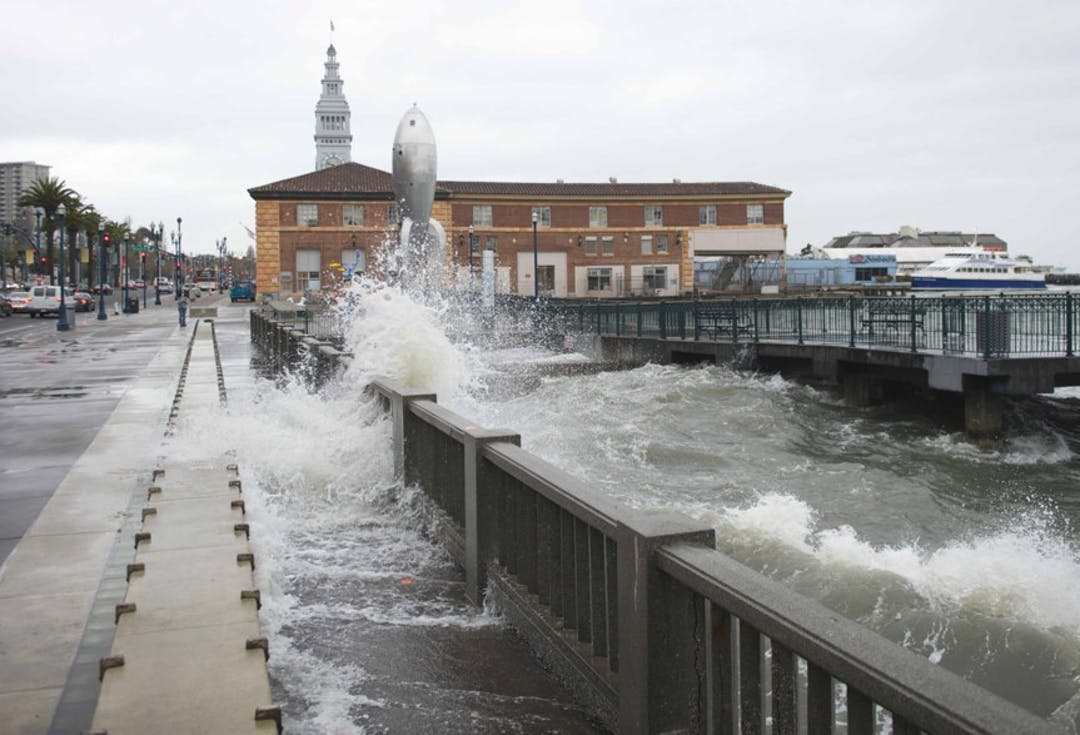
[983,325]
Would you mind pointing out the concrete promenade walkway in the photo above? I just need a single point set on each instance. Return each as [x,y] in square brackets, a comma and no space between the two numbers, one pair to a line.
[133,603]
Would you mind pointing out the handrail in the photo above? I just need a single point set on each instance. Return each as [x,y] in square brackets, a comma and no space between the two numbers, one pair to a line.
[560,487]
[902,682]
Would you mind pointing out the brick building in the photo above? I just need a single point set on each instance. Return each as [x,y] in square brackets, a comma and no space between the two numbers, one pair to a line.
[592,240]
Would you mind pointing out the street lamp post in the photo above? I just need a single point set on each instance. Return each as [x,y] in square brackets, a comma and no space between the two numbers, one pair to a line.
[124,270]
[61,321]
[536,260]
[142,272]
[179,263]
[101,315]
[157,250]
[38,214]
[222,249]
[472,248]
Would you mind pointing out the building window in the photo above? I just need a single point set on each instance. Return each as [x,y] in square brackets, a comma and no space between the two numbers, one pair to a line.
[707,214]
[307,215]
[590,245]
[354,261]
[646,244]
[542,215]
[393,214]
[597,216]
[654,216]
[661,243]
[599,279]
[608,243]
[755,214]
[352,215]
[492,242]
[308,266]
[871,274]
[654,277]
[546,279]
[481,215]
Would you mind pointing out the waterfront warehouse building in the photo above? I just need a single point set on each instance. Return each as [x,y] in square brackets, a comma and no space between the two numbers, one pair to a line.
[595,240]
[592,240]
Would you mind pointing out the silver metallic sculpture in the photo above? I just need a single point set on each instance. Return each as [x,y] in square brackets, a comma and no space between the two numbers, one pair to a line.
[423,240]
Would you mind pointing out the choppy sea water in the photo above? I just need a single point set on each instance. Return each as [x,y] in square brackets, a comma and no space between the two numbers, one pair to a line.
[967,556]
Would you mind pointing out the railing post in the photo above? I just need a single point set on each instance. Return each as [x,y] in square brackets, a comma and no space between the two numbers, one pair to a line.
[798,316]
[986,330]
[400,398]
[1069,326]
[755,306]
[661,314]
[913,346]
[618,321]
[658,687]
[697,321]
[851,321]
[479,522]
[734,322]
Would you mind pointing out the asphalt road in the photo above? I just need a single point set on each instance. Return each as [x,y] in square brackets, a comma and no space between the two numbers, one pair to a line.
[56,391]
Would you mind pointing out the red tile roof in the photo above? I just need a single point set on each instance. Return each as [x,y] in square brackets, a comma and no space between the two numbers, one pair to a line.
[357,181]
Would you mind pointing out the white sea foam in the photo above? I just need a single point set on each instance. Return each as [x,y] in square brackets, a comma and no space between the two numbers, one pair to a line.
[1026,572]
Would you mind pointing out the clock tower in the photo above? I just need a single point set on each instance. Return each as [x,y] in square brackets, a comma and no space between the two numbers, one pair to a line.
[333,141]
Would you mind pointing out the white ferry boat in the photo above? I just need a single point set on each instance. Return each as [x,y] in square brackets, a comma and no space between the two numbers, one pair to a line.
[985,270]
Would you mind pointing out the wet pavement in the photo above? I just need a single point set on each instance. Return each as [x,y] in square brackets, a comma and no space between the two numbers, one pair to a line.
[56,391]
[60,394]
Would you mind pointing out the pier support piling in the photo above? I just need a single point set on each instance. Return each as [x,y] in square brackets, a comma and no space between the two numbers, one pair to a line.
[860,390]
[984,410]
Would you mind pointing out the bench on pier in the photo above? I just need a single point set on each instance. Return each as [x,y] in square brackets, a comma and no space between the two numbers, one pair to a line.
[723,321]
[894,316]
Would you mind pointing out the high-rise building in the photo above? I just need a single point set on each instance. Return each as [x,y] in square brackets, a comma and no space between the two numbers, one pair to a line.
[15,178]
[333,141]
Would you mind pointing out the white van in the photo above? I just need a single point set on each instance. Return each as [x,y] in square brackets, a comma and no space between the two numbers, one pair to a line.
[43,300]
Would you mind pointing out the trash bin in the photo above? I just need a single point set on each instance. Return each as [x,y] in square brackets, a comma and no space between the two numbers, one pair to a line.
[133,305]
[992,332]
[69,310]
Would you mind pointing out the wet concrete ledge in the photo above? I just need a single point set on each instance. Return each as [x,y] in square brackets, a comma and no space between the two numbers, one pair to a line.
[188,654]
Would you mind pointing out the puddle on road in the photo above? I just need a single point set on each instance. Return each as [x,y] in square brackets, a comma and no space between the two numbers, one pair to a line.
[61,392]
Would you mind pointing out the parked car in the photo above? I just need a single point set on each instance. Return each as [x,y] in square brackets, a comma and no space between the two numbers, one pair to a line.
[83,301]
[18,301]
[44,300]
[5,305]
[98,288]
[140,283]
[244,290]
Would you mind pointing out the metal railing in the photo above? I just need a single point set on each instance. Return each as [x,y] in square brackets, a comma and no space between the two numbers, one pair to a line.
[669,632]
[978,325]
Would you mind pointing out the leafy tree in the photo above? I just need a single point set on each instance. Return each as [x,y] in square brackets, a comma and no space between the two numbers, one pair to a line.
[48,194]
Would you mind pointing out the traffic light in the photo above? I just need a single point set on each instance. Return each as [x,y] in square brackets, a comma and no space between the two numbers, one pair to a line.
[142,257]
[106,238]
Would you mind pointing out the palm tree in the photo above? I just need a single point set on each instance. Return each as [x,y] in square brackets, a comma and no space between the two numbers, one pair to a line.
[49,194]
[82,218]
[117,231]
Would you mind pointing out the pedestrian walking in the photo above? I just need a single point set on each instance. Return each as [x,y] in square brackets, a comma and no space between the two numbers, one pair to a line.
[181,306]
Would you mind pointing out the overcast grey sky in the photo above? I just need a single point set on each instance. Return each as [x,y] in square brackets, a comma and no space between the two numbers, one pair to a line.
[941,115]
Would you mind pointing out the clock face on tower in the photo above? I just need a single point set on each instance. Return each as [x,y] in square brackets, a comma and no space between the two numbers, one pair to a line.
[331,160]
